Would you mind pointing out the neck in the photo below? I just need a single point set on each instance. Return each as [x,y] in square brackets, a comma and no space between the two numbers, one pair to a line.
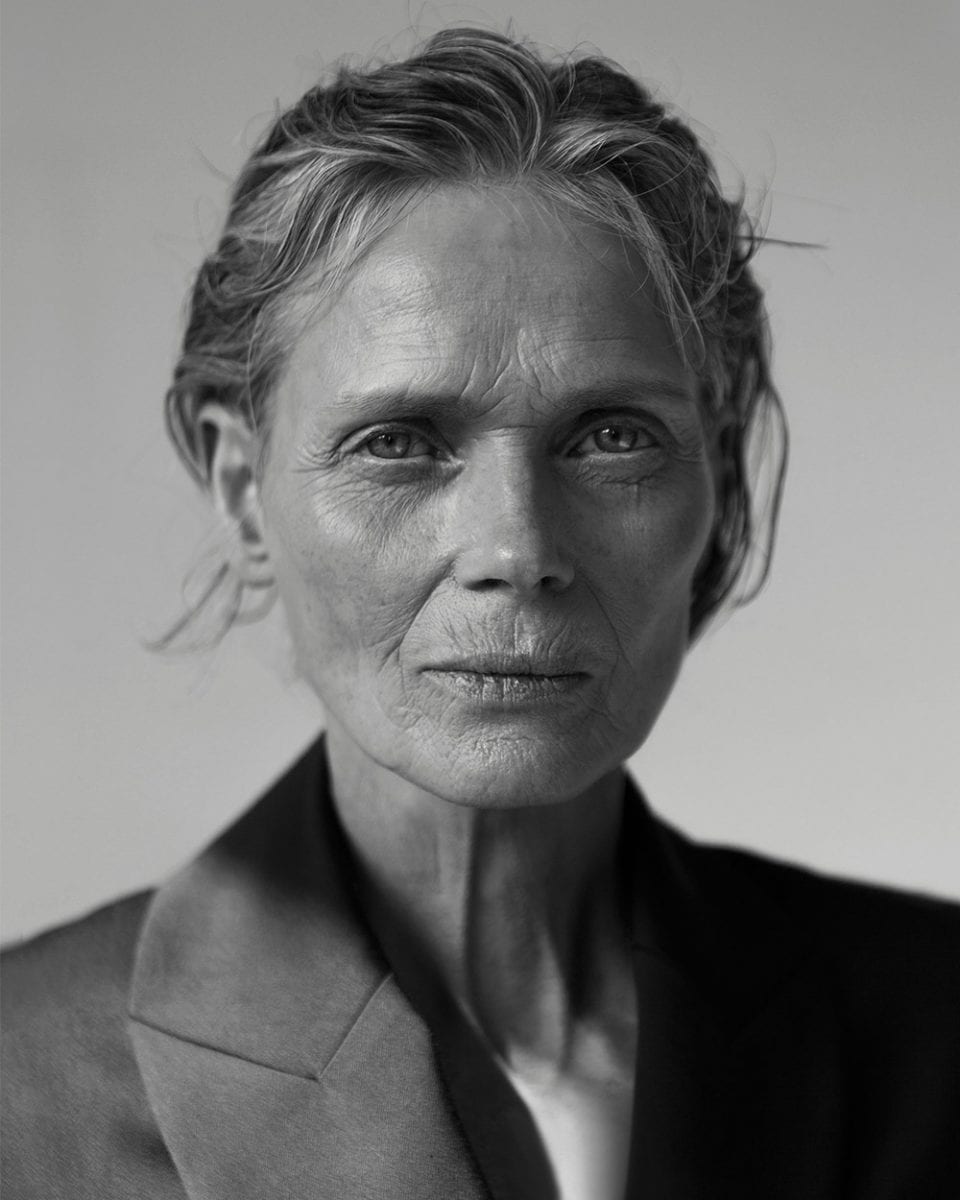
[514,909]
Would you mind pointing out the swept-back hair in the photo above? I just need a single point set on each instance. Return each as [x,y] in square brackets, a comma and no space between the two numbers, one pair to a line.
[337,169]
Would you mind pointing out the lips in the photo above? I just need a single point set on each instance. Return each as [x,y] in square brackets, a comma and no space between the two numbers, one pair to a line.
[505,679]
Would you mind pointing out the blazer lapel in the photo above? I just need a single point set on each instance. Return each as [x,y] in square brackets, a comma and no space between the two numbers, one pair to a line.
[278,1053]
[739,1075]
[283,1061]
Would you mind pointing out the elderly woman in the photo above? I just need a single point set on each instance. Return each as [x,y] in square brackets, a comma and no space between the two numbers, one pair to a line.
[471,378]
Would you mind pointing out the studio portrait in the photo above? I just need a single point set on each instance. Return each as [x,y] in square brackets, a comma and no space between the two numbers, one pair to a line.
[480,656]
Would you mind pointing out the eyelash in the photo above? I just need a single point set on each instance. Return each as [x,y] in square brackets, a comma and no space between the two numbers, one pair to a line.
[395,432]
[635,429]
[632,427]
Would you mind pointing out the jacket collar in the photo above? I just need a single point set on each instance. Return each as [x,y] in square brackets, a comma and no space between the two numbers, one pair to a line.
[278,1050]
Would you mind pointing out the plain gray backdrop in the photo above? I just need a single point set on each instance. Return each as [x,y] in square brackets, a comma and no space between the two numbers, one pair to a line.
[818,725]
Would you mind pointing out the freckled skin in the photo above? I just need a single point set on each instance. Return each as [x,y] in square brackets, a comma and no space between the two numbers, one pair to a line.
[497,500]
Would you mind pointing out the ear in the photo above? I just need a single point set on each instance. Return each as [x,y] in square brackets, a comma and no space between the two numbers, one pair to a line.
[233,449]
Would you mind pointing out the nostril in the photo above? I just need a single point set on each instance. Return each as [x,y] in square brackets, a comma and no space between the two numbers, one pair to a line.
[487,569]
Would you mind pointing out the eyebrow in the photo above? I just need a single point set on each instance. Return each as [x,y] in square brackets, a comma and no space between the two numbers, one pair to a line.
[610,394]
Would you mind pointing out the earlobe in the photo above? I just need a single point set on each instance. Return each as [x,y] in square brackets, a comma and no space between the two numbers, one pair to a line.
[234,490]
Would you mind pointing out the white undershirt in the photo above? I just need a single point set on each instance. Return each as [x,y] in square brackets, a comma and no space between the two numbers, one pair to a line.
[585,1128]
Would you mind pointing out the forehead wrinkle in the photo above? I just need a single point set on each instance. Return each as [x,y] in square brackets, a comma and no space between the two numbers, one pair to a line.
[447,312]
[485,311]
[380,294]
[478,285]
[484,375]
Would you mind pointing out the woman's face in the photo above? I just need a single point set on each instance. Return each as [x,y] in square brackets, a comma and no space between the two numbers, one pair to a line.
[486,495]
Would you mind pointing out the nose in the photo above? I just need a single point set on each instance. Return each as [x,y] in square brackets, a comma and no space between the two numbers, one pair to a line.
[511,529]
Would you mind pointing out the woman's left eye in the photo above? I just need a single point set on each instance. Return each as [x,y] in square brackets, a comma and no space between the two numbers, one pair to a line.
[396,443]
[614,439]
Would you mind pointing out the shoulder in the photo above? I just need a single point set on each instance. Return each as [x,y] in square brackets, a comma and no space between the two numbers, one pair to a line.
[64,991]
[854,924]
[858,931]
[95,951]
[76,1120]
[890,959]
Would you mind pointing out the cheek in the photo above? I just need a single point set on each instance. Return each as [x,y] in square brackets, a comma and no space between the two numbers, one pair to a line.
[350,580]
[646,596]
[683,536]
[650,557]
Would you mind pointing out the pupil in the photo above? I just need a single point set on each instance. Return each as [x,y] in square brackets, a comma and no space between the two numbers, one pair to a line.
[391,445]
[614,438]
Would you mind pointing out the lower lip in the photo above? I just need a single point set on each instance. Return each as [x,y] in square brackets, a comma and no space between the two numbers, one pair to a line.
[507,690]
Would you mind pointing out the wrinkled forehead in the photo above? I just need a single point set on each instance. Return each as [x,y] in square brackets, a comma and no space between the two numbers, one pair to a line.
[494,247]
[491,282]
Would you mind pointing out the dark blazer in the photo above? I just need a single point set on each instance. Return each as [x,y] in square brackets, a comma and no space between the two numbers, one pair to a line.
[239,1035]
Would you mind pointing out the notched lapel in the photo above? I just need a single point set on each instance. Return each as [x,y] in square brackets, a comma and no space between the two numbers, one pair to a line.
[374,1125]
[279,1055]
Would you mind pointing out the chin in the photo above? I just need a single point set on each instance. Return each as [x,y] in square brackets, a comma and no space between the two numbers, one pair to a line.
[498,772]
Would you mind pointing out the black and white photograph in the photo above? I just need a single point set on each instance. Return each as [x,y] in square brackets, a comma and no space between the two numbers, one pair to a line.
[480,662]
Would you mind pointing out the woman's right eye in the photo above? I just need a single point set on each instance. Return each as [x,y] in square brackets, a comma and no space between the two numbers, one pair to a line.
[397,443]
